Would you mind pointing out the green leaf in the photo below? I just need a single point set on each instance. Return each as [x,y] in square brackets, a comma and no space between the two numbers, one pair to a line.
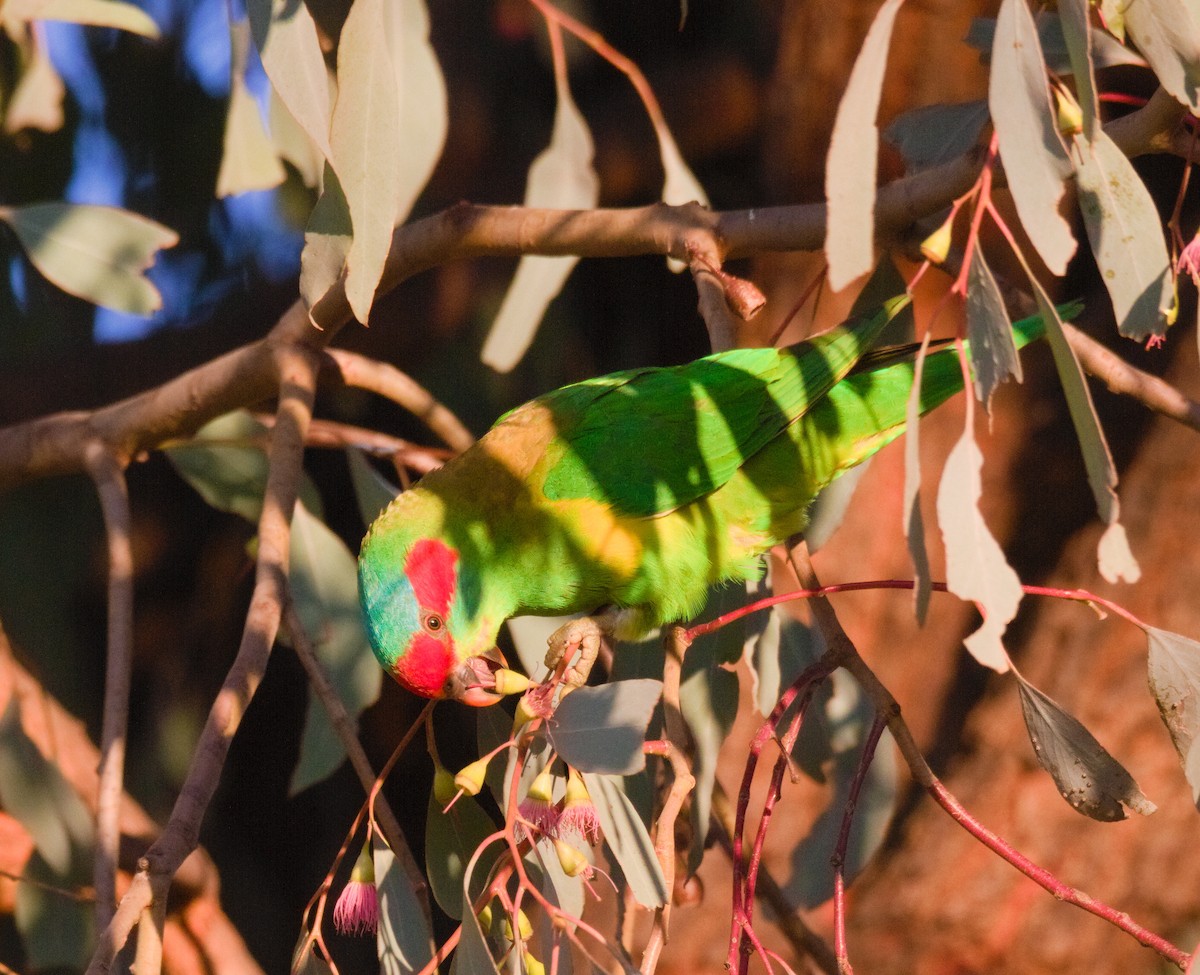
[451,839]
[324,584]
[975,566]
[366,140]
[473,956]
[914,520]
[327,241]
[625,835]
[249,161]
[305,962]
[372,490]
[1076,25]
[57,932]
[1030,147]
[226,463]
[404,939]
[286,37]
[935,134]
[558,888]
[601,729]
[850,171]
[423,118]
[1166,34]
[96,253]
[1174,665]
[34,792]
[1087,776]
[493,727]
[1126,236]
[993,353]
[561,177]
[97,13]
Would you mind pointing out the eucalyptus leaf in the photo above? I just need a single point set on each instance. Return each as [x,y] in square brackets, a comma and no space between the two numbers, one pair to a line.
[403,939]
[58,933]
[327,240]
[625,835]
[1030,147]
[292,143]
[372,490]
[1087,776]
[566,892]
[97,253]
[249,161]
[601,729]
[561,177]
[529,636]
[975,566]
[473,957]
[680,185]
[37,101]
[1166,33]
[1174,665]
[935,134]
[850,170]
[1126,236]
[993,353]
[1075,23]
[366,140]
[708,699]
[451,838]
[305,961]
[96,13]
[914,519]
[1107,52]
[324,585]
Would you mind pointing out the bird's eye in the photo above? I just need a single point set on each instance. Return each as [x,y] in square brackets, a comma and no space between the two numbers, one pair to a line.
[433,623]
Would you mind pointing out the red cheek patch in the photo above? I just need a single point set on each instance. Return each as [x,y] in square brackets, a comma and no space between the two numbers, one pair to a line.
[426,665]
[430,569]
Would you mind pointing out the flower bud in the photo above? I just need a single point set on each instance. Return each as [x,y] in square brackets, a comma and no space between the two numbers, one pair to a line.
[1070,115]
[523,715]
[532,965]
[485,917]
[523,926]
[936,246]
[470,779]
[444,786]
[570,859]
[542,787]
[510,682]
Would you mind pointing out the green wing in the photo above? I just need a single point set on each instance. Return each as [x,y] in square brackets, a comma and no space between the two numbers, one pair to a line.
[649,441]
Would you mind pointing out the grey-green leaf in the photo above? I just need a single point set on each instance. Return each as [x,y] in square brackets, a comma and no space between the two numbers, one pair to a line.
[625,835]
[993,353]
[249,161]
[1078,39]
[96,253]
[403,939]
[601,729]
[473,956]
[1030,147]
[914,519]
[1107,52]
[708,699]
[372,490]
[327,240]
[324,584]
[57,933]
[936,134]
[451,839]
[1174,666]
[1126,236]
[1087,776]
[1165,32]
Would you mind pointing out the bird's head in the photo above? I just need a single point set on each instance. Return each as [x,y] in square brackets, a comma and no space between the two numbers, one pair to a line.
[424,619]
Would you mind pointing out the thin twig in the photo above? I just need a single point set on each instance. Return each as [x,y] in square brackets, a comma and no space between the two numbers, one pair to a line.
[113,492]
[297,372]
[682,784]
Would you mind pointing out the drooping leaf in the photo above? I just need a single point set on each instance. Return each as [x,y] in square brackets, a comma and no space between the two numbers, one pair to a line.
[680,185]
[993,353]
[451,838]
[292,143]
[914,519]
[1174,665]
[1030,147]
[423,118]
[37,102]
[829,508]
[1115,559]
[97,13]
[367,142]
[708,700]
[403,939]
[567,892]
[327,240]
[1077,35]
[286,37]
[601,729]
[936,134]
[249,161]
[96,253]
[975,566]
[561,177]
[305,961]
[473,956]
[1166,33]
[324,584]
[853,154]
[1126,236]
[58,933]
[1106,53]
[493,727]
[372,490]
[625,835]
[1087,776]
[225,462]
[1112,15]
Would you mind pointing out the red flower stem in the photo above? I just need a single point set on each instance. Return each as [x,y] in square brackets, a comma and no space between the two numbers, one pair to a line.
[843,840]
[1045,879]
[1121,98]
[981,204]
[1076,595]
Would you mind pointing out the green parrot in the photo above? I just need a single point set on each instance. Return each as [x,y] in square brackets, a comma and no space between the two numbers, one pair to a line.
[634,493]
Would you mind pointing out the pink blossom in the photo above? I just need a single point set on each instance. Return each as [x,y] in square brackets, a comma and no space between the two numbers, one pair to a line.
[357,909]
[1188,261]
[581,818]
[541,815]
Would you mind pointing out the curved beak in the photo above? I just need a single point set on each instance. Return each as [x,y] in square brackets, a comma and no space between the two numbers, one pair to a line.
[473,682]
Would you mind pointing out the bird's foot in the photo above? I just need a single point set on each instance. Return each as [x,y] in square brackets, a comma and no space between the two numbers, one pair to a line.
[583,637]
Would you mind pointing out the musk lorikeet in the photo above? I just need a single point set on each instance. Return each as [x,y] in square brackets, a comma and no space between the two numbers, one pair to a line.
[634,492]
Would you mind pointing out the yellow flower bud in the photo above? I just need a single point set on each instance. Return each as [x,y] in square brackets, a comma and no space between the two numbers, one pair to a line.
[510,682]
[523,715]
[936,246]
[570,859]
[444,786]
[576,791]
[1070,115]
[532,965]
[542,788]
[485,917]
[523,925]
[470,779]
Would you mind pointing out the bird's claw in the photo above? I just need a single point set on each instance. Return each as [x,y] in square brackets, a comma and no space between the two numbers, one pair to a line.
[582,636]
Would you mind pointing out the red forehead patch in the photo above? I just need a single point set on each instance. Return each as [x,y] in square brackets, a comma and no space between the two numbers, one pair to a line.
[430,570]
[424,669]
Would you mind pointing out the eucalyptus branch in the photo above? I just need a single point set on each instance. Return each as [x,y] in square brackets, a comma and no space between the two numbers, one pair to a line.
[114,505]
[296,372]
